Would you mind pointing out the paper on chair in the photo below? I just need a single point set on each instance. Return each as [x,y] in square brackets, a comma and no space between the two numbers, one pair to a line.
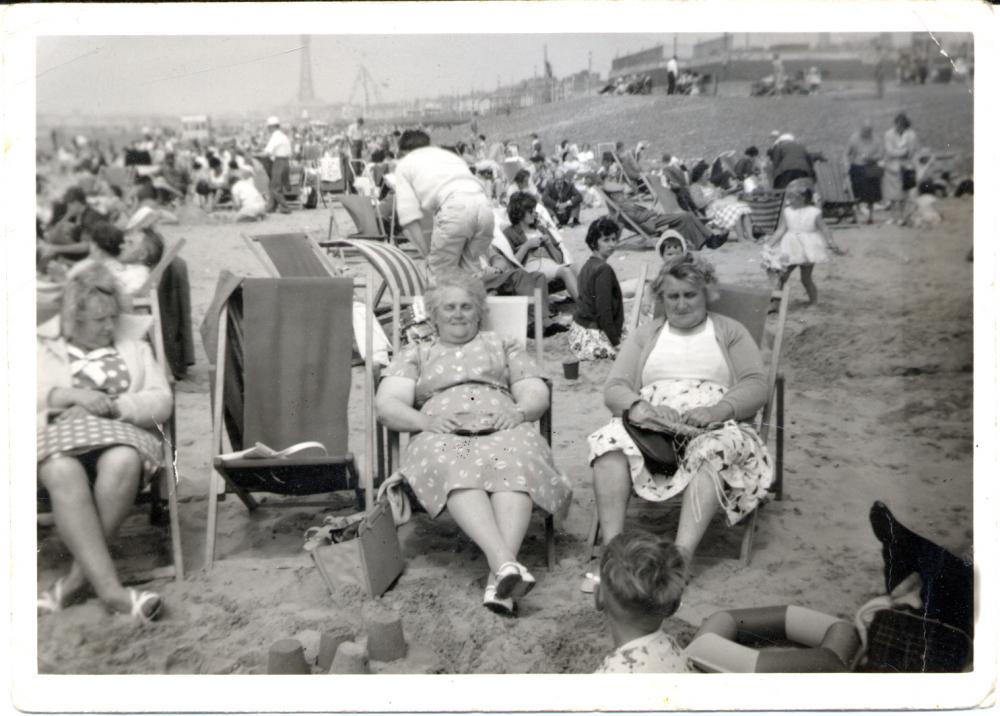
[260,451]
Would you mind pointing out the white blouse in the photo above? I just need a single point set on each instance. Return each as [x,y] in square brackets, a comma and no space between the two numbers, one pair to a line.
[694,356]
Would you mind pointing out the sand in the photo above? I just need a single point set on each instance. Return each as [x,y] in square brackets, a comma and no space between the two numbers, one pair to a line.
[879,407]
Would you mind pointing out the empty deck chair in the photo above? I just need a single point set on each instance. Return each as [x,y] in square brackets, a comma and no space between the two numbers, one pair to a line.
[282,376]
[750,306]
[765,210]
[835,196]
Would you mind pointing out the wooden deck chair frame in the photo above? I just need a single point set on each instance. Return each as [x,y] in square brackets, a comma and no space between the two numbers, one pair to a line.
[772,414]
[615,210]
[635,186]
[837,199]
[513,309]
[164,486]
[363,478]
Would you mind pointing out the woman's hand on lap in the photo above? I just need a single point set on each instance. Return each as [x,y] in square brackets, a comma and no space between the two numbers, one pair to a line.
[701,417]
[72,413]
[642,411]
[441,424]
[509,419]
[94,402]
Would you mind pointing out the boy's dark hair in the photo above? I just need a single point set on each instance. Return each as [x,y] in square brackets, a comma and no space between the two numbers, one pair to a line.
[413,139]
[522,176]
[600,228]
[520,204]
[751,151]
[109,238]
[644,573]
[153,242]
[378,156]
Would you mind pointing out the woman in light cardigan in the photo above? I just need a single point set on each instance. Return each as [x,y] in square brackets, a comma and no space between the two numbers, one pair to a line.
[101,397]
[691,368]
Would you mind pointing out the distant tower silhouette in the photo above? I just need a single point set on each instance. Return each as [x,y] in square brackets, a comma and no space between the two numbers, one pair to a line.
[306,94]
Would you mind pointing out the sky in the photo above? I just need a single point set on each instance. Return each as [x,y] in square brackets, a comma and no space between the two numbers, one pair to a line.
[222,74]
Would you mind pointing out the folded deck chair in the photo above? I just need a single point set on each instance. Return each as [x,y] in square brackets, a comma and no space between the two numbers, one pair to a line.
[161,494]
[836,198]
[507,316]
[765,210]
[749,306]
[282,376]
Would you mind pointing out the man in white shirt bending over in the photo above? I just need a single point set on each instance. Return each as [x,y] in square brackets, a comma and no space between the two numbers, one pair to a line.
[279,149]
[433,181]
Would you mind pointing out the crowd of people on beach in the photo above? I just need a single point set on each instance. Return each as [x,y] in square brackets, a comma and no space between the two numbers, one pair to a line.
[485,219]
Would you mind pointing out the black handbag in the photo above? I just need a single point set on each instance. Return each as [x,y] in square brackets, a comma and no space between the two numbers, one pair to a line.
[661,450]
[909,179]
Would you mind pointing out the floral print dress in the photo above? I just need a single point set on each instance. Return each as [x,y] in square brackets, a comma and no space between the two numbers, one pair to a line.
[102,369]
[733,453]
[475,378]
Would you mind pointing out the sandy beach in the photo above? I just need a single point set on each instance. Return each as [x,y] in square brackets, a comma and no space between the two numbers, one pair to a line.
[879,407]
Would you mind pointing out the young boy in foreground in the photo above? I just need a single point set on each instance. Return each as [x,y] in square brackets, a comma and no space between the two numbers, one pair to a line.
[642,578]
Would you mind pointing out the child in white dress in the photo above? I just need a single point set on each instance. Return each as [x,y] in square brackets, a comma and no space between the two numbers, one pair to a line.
[802,239]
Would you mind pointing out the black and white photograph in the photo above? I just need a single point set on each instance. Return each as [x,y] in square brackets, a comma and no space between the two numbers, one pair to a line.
[381,340]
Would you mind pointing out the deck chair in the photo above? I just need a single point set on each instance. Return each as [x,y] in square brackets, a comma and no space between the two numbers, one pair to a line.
[663,195]
[364,213]
[161,494]
[836,197]
[614,209]
[765,210]
[290,255]
[750,307]
[507,316]
[282,376]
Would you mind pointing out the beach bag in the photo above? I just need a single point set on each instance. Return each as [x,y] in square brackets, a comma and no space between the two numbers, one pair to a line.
[661,449]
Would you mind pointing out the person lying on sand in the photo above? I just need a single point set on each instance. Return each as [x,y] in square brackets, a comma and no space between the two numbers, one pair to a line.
[642,579]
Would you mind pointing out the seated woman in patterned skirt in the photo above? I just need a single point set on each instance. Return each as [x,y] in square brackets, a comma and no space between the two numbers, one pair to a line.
[695,368]
[100,399]
[471,396]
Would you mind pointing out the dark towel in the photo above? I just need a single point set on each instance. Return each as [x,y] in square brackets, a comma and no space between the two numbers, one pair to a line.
[174,294]
[297,361]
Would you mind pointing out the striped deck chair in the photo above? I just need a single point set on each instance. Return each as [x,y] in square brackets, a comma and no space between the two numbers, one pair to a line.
[751,307]
[398,275]
[765,208]
[836,197]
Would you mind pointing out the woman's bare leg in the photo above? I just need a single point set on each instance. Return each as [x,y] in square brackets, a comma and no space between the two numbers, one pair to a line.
[612,489]
[80,526]
[473,512]
[512,512]
[698,508]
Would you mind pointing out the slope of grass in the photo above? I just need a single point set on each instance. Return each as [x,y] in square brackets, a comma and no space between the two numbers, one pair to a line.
[703,126]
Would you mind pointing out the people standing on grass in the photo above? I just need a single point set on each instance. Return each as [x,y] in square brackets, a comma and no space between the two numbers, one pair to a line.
[801,240]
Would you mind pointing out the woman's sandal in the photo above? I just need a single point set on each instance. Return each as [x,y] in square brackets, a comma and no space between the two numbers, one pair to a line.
[51,600]
[503,607]
[513,580]
[140,600]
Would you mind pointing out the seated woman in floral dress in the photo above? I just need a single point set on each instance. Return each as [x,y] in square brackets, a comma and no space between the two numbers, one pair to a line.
[101,396]
[694,368]
[471,397]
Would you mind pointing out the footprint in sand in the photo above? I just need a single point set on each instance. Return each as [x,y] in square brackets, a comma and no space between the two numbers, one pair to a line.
[185,660]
